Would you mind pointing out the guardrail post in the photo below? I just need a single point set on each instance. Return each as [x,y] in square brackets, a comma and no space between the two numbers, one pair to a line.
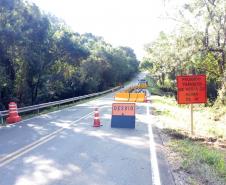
[2,121]
[38,111]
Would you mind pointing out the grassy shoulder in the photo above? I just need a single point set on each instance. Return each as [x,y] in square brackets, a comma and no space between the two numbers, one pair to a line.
[198,159]
[197,153]
[208,120]
[203,165]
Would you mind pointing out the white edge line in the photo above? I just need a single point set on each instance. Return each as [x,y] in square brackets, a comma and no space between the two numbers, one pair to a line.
[153,158]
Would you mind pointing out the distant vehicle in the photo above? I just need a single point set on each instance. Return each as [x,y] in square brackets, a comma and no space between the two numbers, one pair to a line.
[142,83]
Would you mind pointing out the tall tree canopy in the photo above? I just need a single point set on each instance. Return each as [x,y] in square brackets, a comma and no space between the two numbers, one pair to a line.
[42,59]
[198,45]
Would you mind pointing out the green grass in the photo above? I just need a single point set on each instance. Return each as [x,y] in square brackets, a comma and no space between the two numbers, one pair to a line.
[219,133]
[208,121]
[218,111]
[197,154]
[163,112]
[166,101]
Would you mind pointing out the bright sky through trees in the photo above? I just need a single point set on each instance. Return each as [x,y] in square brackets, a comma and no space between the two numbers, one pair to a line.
[121,22]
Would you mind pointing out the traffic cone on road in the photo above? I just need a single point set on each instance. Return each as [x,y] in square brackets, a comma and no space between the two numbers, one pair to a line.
[13,113]
[96,122]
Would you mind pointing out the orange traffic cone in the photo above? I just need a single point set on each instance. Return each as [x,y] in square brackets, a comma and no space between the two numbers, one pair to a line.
[13,113]
[96,122]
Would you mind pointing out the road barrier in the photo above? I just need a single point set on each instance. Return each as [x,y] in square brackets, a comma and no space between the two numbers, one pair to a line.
[122,96]
[141,97]
[133,97]
[54,103]
[130,97]
[134,93]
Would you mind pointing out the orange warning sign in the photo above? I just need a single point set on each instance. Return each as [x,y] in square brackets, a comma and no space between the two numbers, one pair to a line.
[191,89]
[123,109]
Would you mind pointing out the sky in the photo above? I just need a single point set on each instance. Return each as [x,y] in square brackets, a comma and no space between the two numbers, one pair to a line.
[130,23]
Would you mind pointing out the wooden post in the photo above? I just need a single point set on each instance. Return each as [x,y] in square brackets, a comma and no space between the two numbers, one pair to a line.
[192,126]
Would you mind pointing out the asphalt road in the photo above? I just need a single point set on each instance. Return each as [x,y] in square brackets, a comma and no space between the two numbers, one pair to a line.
[62,148]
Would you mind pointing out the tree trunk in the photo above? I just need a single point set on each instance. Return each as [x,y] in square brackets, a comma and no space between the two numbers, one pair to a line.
[163,79]
[36,89]
[160,80]
[222,92]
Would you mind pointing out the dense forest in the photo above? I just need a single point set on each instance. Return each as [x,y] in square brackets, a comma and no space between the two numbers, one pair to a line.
[42,59]
[196,46]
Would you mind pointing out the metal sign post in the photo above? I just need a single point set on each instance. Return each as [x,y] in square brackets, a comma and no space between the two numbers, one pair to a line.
[192,126]
[2,122]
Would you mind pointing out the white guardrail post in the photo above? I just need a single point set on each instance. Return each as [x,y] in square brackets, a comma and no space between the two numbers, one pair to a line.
[58,103]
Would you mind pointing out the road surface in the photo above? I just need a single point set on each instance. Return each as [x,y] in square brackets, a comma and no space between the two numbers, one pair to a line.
[62,148]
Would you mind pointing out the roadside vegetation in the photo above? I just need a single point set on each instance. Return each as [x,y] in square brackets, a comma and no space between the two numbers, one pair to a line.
[209,121]
[42,59]
[204,165]
[198,159]
[196,46]
[46,110]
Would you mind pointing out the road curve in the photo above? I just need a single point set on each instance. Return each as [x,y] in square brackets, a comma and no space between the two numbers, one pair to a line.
[62,148]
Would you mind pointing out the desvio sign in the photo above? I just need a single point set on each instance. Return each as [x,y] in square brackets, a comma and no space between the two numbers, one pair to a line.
[191,89]
[123,115]
[127,109]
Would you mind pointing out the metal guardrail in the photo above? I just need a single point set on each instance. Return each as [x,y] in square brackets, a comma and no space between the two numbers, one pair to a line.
[54,103]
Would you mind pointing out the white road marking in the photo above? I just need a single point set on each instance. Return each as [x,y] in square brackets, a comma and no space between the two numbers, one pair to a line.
[153,158]
[18,153]
[21,153]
